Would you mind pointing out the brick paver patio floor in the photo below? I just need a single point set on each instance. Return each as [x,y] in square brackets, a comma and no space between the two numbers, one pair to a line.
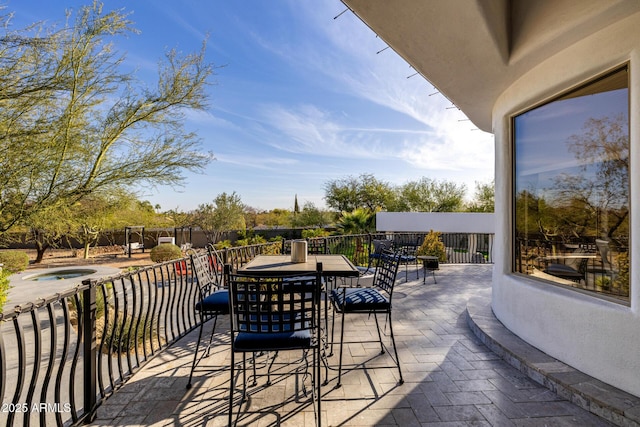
[451,378]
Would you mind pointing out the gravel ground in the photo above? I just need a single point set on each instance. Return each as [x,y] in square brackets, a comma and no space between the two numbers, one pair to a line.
[112,257]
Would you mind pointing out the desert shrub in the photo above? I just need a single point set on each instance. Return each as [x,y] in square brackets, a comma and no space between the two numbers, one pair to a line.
[314,232]
[126,334]
[251,240]
[14,261]
[223,244]
[433,246]
[165,252]
[622,278]
[4,287]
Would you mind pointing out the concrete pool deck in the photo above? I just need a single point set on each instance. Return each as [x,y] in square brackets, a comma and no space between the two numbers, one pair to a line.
[23,289]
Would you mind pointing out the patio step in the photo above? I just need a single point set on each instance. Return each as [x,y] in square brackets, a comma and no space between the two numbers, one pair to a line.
[591,394]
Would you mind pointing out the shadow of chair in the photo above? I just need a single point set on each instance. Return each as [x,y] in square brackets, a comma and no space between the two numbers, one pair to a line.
[271,315]
[213,298]
[369,300]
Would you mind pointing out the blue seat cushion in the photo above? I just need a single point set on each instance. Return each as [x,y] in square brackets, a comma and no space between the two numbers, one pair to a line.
[359,299]
[217,302]
[246,341]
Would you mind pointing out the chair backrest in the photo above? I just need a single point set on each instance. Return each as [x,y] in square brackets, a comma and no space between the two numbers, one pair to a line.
[317,246]
[263,305]
[216,265]
[203,275]
[386,272]
[577,262]
[603,248]
[380,246]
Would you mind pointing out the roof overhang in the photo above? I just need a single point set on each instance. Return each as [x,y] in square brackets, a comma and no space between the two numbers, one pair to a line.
[472,50]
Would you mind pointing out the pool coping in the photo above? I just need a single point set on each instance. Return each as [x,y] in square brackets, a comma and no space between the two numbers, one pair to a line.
[23,291]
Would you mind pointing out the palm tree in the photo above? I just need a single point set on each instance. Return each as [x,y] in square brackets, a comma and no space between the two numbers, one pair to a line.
[358,221]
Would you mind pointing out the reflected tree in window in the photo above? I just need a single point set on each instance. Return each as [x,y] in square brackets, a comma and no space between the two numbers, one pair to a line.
[605,144]
[572,188]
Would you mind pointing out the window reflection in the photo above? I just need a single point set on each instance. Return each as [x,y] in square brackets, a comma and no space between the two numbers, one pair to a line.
[572,188]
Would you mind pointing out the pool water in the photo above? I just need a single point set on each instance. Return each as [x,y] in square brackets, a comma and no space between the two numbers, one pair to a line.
[62,274]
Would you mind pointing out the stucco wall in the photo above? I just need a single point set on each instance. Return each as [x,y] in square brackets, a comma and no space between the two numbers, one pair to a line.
[598,337]
[445,222]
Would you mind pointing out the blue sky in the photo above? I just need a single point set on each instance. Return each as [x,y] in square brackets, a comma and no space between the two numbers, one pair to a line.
[302,99]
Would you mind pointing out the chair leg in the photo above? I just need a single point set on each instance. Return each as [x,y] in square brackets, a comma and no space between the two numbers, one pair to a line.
[244,376]
[333,328]
[195,356]
[326,319]
[395,349]
[213,331]
[273,360]
[340,357]
[317,383]
[231,385]
[375,316]
[207,351]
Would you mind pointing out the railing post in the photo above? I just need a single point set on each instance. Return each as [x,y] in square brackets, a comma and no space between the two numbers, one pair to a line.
[90,349]
[225,255]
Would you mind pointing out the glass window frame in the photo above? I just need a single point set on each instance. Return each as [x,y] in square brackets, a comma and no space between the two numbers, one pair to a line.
[579,89]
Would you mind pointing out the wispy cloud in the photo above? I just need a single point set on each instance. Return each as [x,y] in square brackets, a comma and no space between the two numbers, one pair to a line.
[349,60]
[257,162]
[309,130]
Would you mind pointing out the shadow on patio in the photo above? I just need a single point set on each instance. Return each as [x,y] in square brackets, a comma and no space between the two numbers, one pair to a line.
[451,377]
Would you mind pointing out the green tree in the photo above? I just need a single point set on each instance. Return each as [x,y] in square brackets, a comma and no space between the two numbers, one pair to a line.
[177,218]
[428,195]
[275,218]
[73,123]
[365,191]
[484,198]
[226,213]
[94,214]
[48,228]
[311,216]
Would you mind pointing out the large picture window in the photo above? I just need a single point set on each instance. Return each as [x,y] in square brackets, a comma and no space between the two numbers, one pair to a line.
[571,188]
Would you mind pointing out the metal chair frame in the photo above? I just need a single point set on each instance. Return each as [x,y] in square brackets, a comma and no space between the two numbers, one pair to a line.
[369,300]
[213,299]
[274,314]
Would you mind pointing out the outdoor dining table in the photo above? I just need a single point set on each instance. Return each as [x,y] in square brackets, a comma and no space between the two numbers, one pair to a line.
[269,265]
[281,265]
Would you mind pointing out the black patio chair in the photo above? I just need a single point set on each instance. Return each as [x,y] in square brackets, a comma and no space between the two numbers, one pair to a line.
[317,246]
[380,247]
[213,297]
[271,315]
[369,300]
[407,247]
[573,268]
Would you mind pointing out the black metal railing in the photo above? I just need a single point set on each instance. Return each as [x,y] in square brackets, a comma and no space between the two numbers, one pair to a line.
[63,355]
[240,255]
[583,264]
[474,248]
